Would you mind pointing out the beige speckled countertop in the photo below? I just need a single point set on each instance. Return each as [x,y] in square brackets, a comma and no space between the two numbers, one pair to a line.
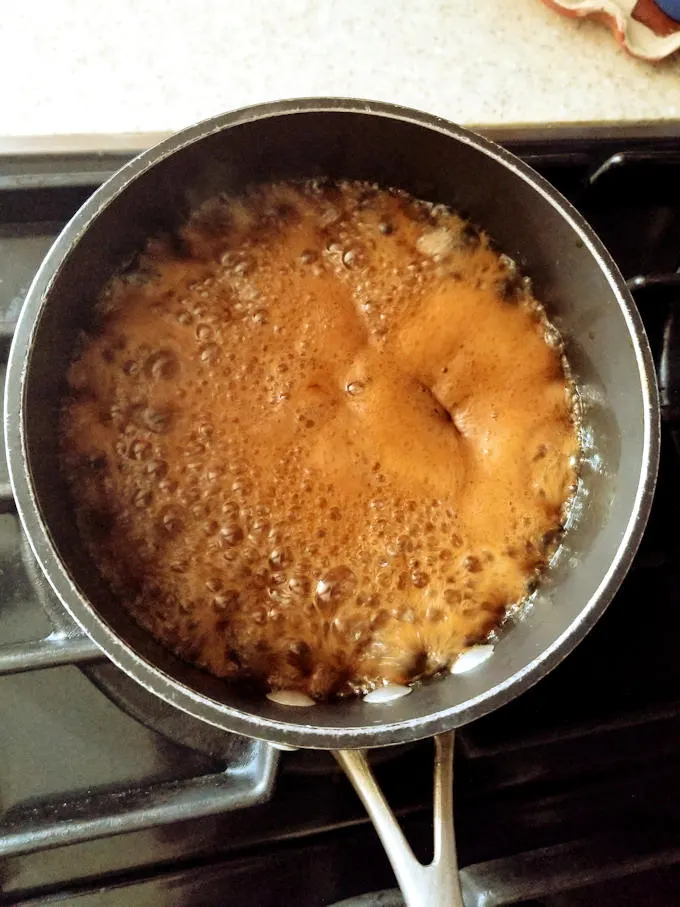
[127,66]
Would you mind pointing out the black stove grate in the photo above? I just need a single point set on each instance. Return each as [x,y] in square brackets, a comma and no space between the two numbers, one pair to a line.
[570,786]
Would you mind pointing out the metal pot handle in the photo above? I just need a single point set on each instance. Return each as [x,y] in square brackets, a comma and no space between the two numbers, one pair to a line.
[435,885]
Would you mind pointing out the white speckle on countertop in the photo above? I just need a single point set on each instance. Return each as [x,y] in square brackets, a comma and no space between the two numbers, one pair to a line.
[144,65]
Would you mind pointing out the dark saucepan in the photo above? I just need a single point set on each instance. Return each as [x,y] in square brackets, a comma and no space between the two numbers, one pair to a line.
[572,274]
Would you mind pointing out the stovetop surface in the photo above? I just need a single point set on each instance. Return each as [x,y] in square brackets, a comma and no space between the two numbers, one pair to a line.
[565,796]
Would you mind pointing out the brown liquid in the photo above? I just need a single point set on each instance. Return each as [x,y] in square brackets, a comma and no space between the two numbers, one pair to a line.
[324,445]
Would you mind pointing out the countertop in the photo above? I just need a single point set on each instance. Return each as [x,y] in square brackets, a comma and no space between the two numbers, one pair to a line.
[151,66]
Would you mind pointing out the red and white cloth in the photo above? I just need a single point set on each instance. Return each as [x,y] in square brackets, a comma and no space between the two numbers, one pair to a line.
[640,26]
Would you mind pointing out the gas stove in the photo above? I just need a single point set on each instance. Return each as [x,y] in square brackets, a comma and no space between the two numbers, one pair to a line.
[568,796]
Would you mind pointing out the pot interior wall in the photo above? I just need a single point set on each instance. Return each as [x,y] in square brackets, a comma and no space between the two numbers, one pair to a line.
[579,294]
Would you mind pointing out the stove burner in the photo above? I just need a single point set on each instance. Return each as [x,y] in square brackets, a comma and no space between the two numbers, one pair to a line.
[130,696]
[576,780]
[240,773]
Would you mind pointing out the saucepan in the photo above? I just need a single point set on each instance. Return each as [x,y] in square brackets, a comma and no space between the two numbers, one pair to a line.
[585,297]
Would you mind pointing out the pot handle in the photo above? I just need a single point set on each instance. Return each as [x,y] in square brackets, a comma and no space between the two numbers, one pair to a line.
[434,885]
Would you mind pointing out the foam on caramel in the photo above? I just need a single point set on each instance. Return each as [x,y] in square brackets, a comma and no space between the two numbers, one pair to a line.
[323,441]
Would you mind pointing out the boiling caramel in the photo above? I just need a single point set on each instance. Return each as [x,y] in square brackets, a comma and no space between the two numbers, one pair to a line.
[324,439]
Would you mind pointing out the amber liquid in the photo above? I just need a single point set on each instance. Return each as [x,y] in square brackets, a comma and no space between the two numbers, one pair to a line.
[325,442]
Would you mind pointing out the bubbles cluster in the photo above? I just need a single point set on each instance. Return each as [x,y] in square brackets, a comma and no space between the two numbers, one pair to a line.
[282,474]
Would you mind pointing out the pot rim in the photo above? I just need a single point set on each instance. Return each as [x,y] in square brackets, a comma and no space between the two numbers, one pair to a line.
[294,731]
